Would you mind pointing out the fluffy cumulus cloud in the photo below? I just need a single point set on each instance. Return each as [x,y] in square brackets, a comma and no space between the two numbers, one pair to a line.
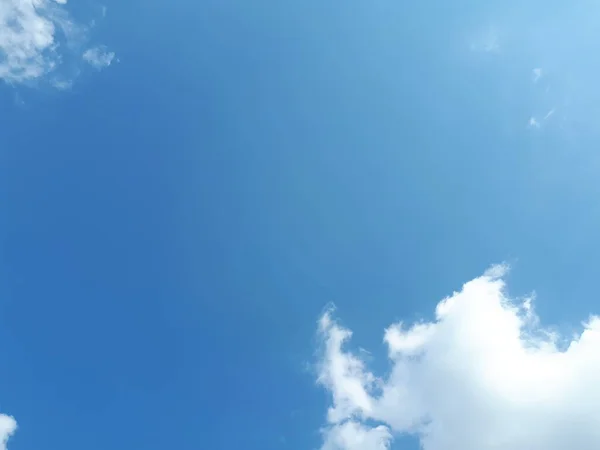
[483,375]
[40,40]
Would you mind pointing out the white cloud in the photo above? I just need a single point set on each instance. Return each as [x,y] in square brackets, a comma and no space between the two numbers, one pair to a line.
[549,113]
[483,375]
[98,57]
[352,435]
[8,426]
[37,38]
[533,122]
[536,74]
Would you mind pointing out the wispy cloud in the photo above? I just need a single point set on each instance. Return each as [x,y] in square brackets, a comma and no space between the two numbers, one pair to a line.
[533,123]
[98,57]
[483,375]
[549,113]
[39,40]
[552,51]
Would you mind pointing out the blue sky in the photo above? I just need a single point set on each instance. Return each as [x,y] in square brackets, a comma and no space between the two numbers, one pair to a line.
[186,188]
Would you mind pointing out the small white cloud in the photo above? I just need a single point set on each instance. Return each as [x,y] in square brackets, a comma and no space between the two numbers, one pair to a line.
[8,426]
[482,376]
[536,74]
[98,57]
[62,85]
[533,122]
[37,38]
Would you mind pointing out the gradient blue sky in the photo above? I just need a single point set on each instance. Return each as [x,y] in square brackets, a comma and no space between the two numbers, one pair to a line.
[172,226]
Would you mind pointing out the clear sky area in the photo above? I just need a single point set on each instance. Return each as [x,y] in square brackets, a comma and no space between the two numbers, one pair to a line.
[309,225]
